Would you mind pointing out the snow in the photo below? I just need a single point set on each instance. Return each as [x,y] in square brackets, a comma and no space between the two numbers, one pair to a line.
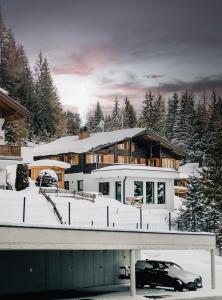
[49,163]
[197,261]
[73,144]
[83,212]
[189,169]
[134,167]
[50,173]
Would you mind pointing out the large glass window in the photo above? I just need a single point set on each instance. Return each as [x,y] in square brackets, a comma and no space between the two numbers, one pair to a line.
[150,192]
[138,188]
[161,186]
[80,185]
[104,188]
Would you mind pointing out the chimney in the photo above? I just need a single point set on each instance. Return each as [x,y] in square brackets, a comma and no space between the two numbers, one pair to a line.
[83,133]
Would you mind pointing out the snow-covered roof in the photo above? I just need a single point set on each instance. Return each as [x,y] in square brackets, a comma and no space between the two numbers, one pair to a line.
[134,171]
[73,144]
[135,167]
[49,163]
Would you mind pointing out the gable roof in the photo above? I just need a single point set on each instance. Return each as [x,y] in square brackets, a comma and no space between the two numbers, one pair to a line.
[11,109]
[95,141]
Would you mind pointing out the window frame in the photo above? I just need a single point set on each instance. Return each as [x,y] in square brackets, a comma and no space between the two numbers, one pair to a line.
[106,188]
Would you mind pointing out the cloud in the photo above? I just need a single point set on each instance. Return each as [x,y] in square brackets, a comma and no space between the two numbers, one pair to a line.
[129,87]
[90,59]
[197,85]
[155,76]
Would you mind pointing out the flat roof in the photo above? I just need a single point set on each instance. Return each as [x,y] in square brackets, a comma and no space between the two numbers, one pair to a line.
[15,237]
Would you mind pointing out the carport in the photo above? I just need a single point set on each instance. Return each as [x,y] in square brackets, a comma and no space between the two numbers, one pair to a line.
[57,238]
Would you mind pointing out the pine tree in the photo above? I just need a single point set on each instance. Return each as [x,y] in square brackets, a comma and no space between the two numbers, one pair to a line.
[148,115]
[116,116]
[171,116]
[49,119]
[159,116]
[184,123]
[212,180]
[129,115]
[201,137]
[73,122]
[192,214]
[153,113]
[21,180]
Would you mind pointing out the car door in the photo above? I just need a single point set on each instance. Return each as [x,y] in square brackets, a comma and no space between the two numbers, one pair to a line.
[149,272]
[163,277]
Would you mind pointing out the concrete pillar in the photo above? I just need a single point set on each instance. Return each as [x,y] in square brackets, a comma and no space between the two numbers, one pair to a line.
[213,271]
[132,273]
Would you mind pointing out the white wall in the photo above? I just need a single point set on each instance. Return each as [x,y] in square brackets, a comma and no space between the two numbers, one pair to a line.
[2,175]
[92,184]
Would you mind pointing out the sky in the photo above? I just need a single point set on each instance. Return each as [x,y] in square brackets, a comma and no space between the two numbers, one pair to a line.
[103,49]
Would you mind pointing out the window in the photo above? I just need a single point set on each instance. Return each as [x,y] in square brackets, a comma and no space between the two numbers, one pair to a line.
[118,190]
[138,188]
[80,185]
[106,158]
[66,185]
[123,159]
[74,159]
[59,175]
[161,192]
[123,146]
[104,188]
[170,163]
[91,158]
[150,192]
[154,162]
[142,160]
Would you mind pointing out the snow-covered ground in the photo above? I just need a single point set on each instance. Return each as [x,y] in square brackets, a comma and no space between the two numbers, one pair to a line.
[83,212]
[194,261]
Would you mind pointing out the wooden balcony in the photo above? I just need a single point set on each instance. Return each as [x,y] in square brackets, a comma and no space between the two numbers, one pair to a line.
[8,150]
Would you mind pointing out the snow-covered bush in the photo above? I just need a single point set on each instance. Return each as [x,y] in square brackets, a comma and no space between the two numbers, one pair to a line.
[22,177]
[47,178]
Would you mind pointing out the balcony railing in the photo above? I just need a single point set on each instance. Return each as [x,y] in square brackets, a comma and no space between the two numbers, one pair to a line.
[8,150]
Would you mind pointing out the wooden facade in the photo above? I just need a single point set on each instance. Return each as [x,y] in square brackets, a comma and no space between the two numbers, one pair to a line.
[35,171]
[137,150]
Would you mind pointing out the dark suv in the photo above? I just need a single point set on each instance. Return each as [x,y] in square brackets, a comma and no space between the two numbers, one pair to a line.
[165,273]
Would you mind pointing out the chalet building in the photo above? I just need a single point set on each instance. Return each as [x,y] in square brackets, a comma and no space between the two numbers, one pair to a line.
[10,110]
[132,164]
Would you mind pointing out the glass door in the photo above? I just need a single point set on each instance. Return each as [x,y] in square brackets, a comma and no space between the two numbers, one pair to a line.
[118,190]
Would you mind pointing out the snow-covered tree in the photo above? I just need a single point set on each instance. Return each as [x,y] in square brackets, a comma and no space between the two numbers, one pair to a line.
[129,114]
[22,177]
[116,116]
[171,116]
[47,178]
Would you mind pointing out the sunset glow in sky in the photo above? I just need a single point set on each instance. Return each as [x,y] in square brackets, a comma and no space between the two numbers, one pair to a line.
[102,49]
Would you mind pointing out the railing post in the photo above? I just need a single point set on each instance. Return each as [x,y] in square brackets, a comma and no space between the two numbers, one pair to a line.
[194,223]
[69,213]
[141,218]
[214,221]
[107,216]
[169,221]
[178,225]
[23,215]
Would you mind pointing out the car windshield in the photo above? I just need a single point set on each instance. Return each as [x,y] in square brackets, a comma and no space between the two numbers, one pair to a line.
[170,264]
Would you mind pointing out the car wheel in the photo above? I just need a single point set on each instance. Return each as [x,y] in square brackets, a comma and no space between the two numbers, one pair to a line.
[192,287]
[153,286]
[178,286]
